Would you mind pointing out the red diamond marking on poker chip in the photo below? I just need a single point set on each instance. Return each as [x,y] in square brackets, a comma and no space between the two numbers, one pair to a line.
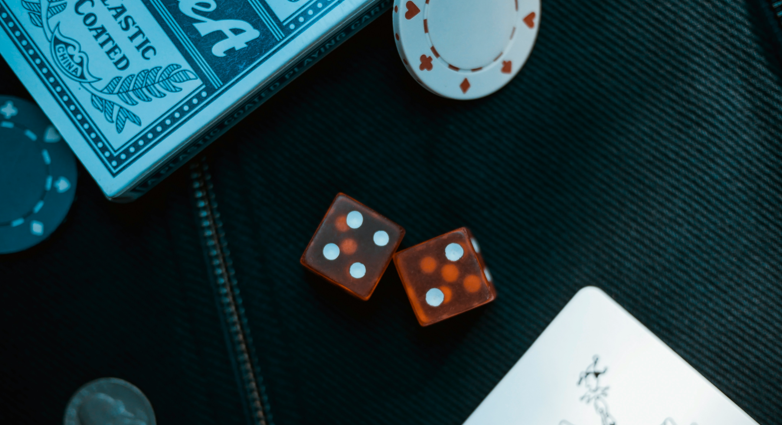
[397,36]
[506,67]
[412,10]
[426,63]
[396,9]
[465,85]
[529,20]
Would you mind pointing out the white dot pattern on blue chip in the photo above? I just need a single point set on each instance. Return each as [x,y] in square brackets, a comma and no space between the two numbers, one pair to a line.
[9,110]
[62,184]
[36,228]
[51,135]
[24,126]
[454,251]
[355,219]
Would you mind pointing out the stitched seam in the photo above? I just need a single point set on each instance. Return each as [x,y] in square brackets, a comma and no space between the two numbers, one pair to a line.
[228,297]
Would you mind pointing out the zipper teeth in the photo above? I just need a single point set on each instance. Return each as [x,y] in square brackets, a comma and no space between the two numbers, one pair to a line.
[228,298]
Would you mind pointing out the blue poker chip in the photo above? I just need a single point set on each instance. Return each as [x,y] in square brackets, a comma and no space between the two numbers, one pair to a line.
[37,176]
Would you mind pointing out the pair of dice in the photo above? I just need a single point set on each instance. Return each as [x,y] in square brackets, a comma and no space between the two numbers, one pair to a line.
[443,277]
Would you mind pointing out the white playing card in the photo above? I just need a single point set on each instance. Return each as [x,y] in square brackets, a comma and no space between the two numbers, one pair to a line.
[597,365]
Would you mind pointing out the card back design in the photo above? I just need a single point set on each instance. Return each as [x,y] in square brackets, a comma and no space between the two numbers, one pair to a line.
[128,74]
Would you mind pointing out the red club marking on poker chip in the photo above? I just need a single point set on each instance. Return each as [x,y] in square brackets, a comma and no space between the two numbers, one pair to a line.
[473,72]
[413,10]
[426,63]
[529,20]
[506,67]
[465,85]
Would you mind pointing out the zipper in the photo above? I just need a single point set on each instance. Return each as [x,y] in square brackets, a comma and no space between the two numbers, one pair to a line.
[229,302]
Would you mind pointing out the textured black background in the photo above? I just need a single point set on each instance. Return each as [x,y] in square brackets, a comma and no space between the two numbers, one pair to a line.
[637,151]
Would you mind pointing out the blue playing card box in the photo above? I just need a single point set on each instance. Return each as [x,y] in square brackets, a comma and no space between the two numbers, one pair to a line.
[138,87]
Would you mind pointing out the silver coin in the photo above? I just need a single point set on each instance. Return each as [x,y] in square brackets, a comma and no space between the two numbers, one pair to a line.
[109,401]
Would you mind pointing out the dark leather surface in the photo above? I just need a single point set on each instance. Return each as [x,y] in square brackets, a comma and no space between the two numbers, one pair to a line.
[637,151]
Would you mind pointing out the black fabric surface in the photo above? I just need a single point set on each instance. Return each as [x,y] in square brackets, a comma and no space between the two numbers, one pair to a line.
[117,291]
[637,151]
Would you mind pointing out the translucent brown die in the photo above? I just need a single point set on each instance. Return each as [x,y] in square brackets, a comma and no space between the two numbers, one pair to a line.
[352,246]
[445,276]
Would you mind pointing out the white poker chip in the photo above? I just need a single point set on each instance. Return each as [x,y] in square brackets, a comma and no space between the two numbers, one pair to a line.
[465,49]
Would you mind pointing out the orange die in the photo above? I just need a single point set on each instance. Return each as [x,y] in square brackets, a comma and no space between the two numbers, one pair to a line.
[352,246]
[445,276]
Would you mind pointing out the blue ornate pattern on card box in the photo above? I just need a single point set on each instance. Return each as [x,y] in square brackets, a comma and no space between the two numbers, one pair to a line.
[139,87]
